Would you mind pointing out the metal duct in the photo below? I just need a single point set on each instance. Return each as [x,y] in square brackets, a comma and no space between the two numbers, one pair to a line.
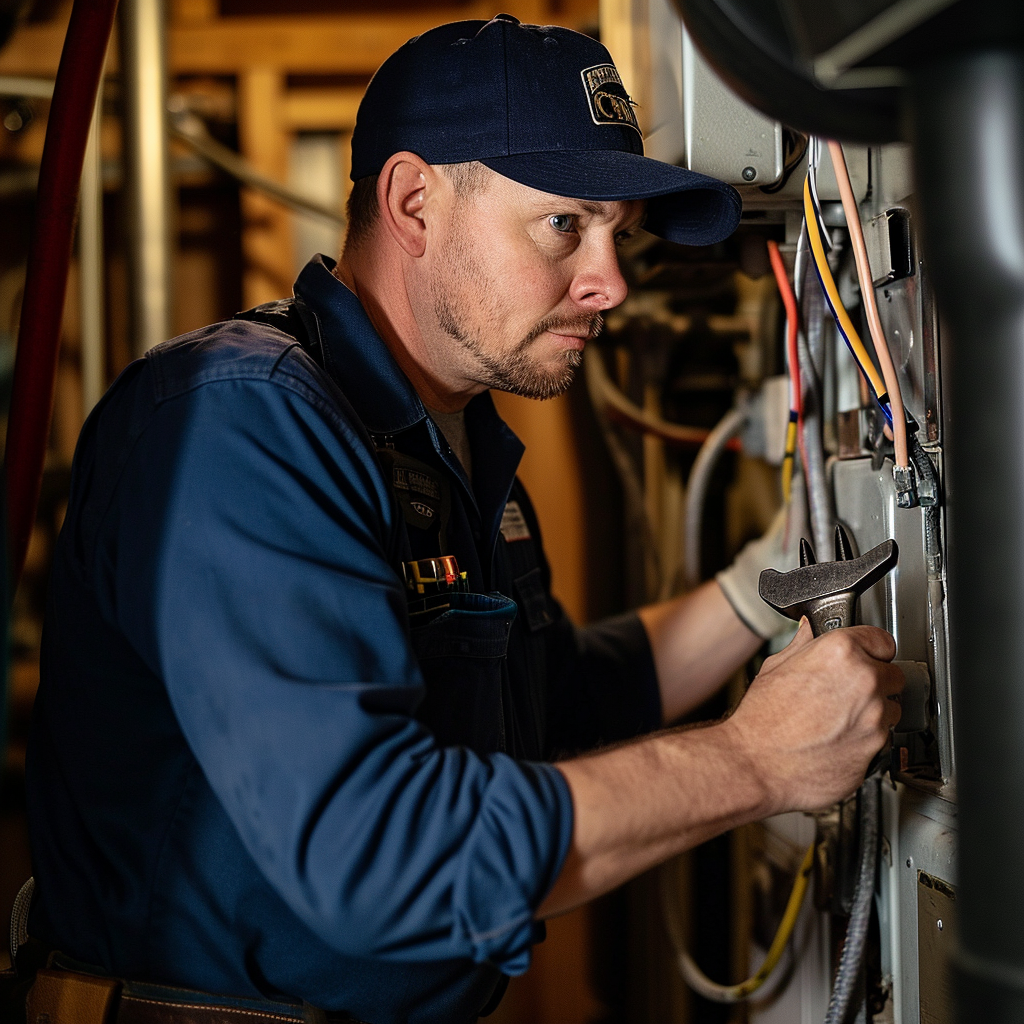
[968,119]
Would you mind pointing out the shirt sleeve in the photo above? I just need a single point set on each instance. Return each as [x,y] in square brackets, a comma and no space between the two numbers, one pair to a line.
[602,682]
[604,686]
[248,566]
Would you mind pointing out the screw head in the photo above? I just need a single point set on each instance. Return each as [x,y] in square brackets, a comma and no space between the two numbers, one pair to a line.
[910,862]
[749,173]
[939,923]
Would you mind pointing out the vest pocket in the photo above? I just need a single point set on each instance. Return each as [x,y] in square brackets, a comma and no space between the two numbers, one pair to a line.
[462,656]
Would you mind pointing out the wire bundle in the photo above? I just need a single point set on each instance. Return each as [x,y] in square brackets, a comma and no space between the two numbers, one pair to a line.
[886,388]
[796,400]
[885,385]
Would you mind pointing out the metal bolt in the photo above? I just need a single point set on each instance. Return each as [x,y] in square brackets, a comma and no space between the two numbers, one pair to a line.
[749,173]
[910,862]
[939,923]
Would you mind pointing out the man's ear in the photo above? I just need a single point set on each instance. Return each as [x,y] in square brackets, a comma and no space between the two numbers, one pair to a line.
[401,192]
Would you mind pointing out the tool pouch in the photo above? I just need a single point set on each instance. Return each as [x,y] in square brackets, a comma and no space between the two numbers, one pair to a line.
[67,997]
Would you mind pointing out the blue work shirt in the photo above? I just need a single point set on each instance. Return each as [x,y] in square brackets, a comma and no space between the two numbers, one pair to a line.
[248,773]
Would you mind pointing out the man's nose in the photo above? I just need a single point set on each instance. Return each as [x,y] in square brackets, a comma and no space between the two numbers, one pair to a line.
[598,284]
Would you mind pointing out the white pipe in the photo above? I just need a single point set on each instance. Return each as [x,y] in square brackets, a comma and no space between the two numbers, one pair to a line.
[697,490]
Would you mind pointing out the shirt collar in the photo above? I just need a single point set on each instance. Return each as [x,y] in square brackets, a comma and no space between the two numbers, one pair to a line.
[355,353]
[384,398]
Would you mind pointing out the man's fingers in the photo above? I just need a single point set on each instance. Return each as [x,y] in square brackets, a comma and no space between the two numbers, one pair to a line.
[873,641]
[892,713]
[891,680]
[801,639]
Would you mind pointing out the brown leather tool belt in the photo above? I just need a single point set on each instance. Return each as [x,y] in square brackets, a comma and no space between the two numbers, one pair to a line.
[62,996]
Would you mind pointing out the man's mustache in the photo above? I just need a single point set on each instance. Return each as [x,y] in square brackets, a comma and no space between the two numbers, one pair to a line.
[588,327]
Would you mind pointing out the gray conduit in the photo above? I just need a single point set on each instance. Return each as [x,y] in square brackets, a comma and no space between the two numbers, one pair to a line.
[697,487]
[819,499]
[142,32]
[851,960]
[812,360]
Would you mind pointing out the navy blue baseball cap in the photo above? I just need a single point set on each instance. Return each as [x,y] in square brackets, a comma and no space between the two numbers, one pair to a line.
[541,105]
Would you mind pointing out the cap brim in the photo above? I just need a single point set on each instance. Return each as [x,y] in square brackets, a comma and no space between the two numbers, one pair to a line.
[683,206]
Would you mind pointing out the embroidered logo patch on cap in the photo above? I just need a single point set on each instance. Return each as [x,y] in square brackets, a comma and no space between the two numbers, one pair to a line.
[608,99]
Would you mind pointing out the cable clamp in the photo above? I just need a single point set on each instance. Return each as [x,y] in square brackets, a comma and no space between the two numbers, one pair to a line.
[906,486]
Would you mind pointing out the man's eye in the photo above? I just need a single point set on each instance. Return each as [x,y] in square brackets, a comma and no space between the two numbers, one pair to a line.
[562,222]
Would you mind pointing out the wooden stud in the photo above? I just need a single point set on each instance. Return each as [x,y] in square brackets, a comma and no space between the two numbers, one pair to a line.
[266,225]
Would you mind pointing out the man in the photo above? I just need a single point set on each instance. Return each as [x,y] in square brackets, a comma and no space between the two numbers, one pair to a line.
[286,753]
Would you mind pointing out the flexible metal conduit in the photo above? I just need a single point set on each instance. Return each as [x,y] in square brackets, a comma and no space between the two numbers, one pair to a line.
[968,119]
[35,367]
[812,358]
[851,960]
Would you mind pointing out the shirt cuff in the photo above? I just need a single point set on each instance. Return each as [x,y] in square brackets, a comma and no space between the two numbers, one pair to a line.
[509,871]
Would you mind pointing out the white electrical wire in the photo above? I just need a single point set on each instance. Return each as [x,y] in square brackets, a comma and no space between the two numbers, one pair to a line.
[697,487]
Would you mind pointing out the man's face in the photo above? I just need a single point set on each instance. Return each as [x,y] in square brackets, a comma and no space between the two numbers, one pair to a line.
[520,280]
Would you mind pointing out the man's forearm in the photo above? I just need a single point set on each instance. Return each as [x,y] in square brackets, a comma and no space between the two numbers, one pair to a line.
[639,804]
[698,641]
[800,739]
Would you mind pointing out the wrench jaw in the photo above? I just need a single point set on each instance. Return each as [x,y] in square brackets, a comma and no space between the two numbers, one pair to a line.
[827,592]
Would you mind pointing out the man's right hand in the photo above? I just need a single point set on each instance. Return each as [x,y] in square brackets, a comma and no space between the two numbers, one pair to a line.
[817,713]
[801,738]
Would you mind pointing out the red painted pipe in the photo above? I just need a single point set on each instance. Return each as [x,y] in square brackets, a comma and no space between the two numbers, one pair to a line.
[35,365]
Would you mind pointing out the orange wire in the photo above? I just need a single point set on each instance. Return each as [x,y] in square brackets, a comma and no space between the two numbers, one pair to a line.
[793,324]
[795,429]
[867,290]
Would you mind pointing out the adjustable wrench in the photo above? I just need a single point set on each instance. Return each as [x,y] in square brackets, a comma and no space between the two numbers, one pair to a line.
[827,592]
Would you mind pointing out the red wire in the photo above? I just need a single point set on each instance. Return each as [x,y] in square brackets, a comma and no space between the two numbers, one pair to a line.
[60,171]
[796,398]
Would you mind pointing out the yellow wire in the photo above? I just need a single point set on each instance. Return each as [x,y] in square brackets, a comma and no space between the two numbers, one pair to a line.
[736,993]
[787,461]
[860,353]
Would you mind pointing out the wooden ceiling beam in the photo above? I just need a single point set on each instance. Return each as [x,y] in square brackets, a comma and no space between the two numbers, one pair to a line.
[325,110]
[350,44]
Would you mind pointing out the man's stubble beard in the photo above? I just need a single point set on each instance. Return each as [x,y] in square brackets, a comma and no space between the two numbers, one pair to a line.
[512,371]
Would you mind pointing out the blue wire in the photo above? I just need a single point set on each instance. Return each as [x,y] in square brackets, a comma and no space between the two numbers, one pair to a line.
[884,406]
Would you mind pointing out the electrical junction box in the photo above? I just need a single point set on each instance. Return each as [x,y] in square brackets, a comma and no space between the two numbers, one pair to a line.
[690,117]
[718,133]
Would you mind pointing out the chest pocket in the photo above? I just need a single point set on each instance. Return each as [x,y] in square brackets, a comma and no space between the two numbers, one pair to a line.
[462,654]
